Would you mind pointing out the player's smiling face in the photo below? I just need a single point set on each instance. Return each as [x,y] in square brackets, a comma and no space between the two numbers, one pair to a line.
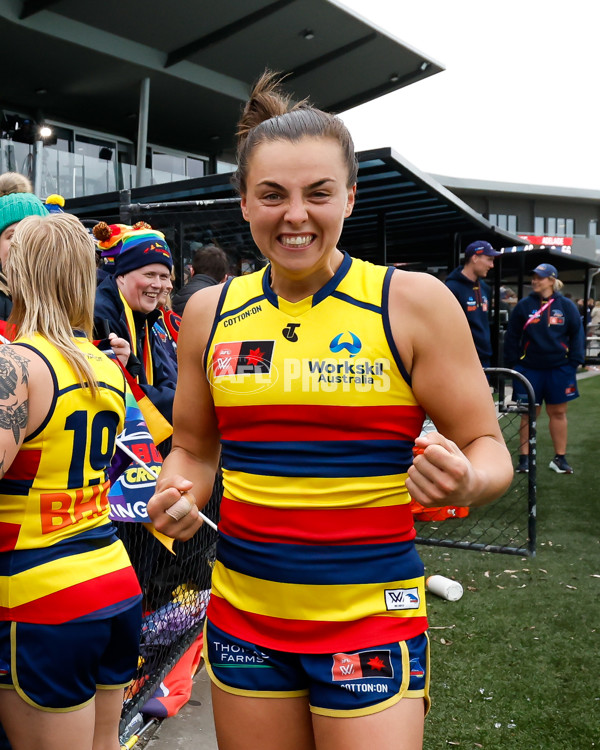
[296,201]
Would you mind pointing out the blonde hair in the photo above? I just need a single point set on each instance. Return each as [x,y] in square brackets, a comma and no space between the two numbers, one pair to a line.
[14,182]
[558,285]
[270,115]
[51,269]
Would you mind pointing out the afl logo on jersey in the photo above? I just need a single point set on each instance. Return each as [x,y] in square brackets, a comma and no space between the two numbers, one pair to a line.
[352,347]
[242,358]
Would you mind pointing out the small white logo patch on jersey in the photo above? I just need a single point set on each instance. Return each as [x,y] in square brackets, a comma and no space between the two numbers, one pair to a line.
[402,599]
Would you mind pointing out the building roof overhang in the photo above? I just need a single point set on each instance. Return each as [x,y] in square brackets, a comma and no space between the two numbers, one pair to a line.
[82,63]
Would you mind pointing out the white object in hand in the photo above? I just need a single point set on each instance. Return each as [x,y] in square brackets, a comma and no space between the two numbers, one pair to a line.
[444,587]
[179,509]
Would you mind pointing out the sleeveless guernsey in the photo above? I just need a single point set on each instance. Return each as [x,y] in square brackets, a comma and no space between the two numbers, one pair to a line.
[317,421]
[60,559]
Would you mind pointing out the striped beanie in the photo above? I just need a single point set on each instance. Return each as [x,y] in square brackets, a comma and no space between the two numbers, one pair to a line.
[126,248]
[141,248]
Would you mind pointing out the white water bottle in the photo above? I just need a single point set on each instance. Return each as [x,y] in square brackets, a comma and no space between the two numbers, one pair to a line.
[444,587]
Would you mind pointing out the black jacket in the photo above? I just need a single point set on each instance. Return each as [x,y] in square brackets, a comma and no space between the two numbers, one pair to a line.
[198,281]
[5,306]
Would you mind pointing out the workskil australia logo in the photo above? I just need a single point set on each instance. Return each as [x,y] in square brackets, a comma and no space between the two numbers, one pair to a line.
[353,346]
[247,367]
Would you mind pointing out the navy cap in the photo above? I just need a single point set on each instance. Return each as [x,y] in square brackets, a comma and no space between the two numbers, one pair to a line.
[546,270]
[480,247]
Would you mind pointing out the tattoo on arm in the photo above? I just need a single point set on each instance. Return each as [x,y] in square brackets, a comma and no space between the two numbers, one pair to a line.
[14,411]
[14,418]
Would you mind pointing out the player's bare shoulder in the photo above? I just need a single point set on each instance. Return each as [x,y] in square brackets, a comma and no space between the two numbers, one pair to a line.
[14,370]
[416,286]
[14,398]
[420,295]
[415,296]
[197,321]
[201,307]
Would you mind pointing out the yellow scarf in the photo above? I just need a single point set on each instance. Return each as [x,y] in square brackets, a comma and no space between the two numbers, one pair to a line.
[147,353]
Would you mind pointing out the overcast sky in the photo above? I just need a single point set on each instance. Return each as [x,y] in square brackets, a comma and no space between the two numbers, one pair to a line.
[519,98]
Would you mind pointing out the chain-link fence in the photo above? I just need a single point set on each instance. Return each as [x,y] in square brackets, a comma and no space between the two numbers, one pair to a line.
[176,588]
[507,525]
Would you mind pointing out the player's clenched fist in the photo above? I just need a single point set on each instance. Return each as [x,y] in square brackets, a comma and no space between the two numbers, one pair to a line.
[173,510]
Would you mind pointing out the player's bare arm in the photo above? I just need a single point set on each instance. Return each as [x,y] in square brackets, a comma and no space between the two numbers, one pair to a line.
[466,462]
[191,466]
[14,404]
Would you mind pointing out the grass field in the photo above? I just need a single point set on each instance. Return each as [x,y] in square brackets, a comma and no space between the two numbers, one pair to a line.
[516,662]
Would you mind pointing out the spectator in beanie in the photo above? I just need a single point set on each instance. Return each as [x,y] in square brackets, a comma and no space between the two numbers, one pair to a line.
[127,302]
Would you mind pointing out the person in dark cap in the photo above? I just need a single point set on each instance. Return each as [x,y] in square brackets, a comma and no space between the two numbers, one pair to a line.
[467,285]
[544,341]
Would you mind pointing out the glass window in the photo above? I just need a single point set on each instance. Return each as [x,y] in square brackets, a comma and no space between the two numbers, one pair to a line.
[94,165]
[195,167]
[95,147]
[167,167]
[493,219]
[538,226]
[16,157]
[223,167]
[560,227]
[569,227]
[551,223]
[592,228]
[512,224]
[502,221]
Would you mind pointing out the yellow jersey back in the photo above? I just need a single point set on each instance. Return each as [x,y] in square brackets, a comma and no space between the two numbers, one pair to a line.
[59,556]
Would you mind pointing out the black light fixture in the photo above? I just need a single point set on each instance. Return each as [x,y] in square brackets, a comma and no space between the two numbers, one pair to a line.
[307,34]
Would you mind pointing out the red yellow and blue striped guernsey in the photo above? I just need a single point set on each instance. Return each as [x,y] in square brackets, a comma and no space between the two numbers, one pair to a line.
[60,559]
[317,421]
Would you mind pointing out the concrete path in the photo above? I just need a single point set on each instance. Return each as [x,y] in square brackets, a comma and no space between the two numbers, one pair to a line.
[193,726]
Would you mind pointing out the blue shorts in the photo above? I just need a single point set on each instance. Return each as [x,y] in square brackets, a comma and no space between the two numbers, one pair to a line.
[355,683]
[60,667]
[556,386]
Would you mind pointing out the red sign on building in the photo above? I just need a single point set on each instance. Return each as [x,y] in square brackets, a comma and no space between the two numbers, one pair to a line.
[564,244]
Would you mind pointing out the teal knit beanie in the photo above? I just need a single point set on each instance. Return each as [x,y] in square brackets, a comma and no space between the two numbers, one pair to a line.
[17,206]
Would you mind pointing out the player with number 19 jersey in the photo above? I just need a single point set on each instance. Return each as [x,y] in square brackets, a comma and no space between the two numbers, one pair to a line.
[60,559]
[317,421]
